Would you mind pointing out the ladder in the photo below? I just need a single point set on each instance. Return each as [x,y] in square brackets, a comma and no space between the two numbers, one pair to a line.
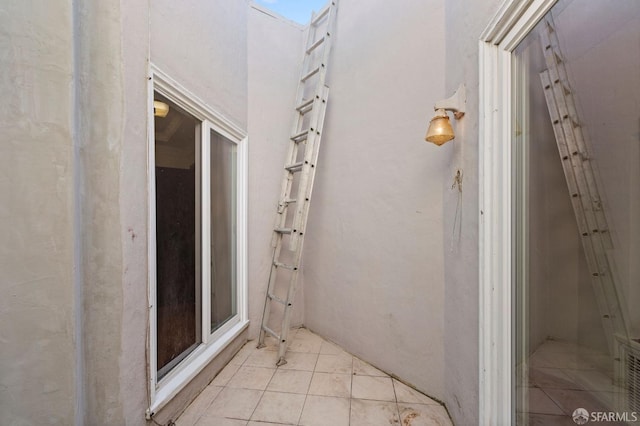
[582,183]
[298,176]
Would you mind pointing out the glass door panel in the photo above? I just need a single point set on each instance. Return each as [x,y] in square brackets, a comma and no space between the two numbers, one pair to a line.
[177,236]
[577,257]
[223,230]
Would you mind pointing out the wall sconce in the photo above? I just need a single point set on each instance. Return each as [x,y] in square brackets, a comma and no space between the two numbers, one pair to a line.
[440,130]
[160,109]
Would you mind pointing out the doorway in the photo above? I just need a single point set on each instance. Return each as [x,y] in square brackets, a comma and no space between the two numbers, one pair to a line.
[559,216]
[576,167]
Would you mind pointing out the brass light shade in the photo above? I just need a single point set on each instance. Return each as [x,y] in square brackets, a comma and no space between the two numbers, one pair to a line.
[160,109]
[440,130]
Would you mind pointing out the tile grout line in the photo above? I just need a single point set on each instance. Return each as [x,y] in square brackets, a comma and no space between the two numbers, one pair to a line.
[351,388]
[395,395]
[306,395]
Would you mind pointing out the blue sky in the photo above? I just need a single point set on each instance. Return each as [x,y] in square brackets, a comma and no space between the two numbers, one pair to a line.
[296,10]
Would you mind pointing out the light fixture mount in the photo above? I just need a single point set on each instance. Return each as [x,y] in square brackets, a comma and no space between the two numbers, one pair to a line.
[440,130]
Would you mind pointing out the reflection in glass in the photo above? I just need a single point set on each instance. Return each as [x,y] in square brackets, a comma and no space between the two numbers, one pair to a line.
[576,281]
[177,254]
[223,230]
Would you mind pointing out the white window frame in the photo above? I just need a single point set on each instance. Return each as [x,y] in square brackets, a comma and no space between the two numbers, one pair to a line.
[512,23]
[163,390]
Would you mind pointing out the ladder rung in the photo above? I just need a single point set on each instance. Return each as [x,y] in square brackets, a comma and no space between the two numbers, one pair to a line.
[283,230]
[277,299]
[271,332]
[304,105]
[310,74]
[290,201]
[315,44]
[285,266]
[321,15]
[302,136]
[295,167]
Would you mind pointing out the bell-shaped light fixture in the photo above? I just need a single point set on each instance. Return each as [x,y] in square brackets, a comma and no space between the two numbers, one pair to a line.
[160,109]
[440,130]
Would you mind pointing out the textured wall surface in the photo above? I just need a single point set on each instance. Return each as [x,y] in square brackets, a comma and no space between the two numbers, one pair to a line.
[275,56]
[464,22]
[37,302]
[207,53]
[373,268]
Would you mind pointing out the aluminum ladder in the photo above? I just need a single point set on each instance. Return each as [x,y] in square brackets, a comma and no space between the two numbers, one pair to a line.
[298,176]
[582,183]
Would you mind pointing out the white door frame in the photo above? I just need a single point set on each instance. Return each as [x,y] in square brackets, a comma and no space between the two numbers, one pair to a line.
[513,22]
[163,390]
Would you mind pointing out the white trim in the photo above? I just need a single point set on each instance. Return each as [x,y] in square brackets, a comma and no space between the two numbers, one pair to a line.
[164,390]
[194,364]
[514,20]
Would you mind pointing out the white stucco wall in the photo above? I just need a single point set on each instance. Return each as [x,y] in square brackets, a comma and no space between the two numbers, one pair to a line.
[274,59]
[73,173]
[203,46]
[373,262]
[37,301]
[464,22]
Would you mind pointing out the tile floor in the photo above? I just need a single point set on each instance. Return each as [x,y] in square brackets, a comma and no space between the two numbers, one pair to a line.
[321,384]
[563,377]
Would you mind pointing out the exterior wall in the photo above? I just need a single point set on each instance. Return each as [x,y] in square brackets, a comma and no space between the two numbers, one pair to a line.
[73,173]
[374,251]
[464,23]
[275,55]
[38,303]
[212,40]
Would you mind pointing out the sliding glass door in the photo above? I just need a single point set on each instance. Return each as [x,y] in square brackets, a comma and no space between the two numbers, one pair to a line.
[576,215]
[195,296]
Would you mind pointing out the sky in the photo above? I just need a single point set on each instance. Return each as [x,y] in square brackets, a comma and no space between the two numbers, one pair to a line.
[295,10]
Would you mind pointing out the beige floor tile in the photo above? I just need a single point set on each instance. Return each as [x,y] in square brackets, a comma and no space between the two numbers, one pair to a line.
[225,375]
[262,358]
[219,421]
[568,400]
[325,410]
[235,403]
[313,388]
[540,403]
[361,368]
[328,348]
[251,378]
[279,407]
[300,361]
[199,406]
[406,394]
[271,343]
[330,384]
[423,415]
[334,364]
[244,352]
[373,413]
[305,342]
[371,387]
[290,381]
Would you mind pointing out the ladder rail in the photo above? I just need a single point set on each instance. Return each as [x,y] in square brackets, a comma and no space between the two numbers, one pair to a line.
[306,131]
[586,201]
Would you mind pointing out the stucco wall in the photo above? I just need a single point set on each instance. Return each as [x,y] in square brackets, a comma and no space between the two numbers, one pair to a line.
[274,59]
[37,301]
[203,46]
[373,262]
[464,22]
